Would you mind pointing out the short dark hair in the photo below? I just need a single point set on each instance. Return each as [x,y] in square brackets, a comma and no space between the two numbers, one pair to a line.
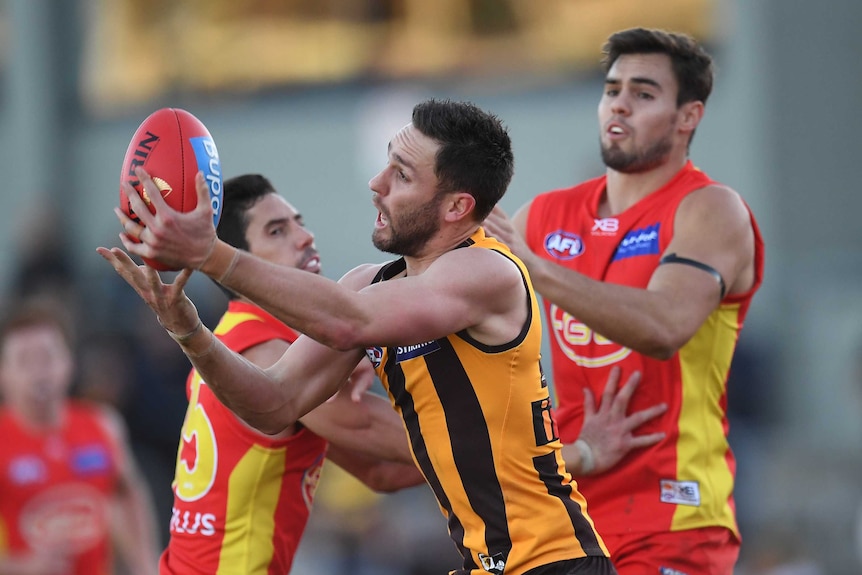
[692,65]
[241,193]
[475,152]
[37,312]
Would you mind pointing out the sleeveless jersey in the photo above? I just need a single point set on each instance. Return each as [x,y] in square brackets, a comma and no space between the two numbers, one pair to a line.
[241,499]
[56,488]
[479,423]
[686,480]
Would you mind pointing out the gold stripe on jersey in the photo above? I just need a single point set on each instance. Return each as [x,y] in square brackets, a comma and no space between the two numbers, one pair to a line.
[702,446]
[231,320]
[480,426]
[4,536]
[249,529]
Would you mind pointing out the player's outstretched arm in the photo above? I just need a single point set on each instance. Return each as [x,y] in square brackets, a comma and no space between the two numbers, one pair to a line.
[712,226]
[380,476]
[268,399]
[607,433]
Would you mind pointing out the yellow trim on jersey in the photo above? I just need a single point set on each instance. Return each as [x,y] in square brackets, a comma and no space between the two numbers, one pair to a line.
[249,529]
[231,320]
[702,446]
[4,536]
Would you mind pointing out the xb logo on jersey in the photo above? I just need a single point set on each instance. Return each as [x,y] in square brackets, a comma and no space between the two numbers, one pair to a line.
[605,226]
[564,245]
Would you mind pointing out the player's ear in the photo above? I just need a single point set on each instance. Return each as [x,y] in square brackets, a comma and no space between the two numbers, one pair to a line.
[690,115]
[459,205]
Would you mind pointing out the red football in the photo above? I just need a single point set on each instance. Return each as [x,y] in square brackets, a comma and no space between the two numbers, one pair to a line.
[172,146]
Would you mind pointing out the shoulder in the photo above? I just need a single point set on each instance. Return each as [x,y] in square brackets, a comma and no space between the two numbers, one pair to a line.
[101,416]
[361,276]
[715,201]
[110,420]
[496,268]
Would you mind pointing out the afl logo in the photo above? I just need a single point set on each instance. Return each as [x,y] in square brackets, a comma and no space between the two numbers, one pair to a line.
[375,355]
[564,245]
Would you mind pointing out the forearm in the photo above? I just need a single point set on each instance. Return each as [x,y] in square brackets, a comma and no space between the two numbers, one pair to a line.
[328,313]
[370,428]
[637,318]
[379,476]
[244,388]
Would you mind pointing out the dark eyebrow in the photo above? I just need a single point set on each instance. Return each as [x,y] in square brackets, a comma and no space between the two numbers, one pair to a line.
[277,222]
[635,80]
[404,162]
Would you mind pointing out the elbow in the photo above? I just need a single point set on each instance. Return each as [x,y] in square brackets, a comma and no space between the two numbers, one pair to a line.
[269,423]
[663,344]
[267,428]
[660,353]
[343,337]
[384,480]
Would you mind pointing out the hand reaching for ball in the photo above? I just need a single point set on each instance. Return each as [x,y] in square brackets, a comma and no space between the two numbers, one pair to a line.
[176,239]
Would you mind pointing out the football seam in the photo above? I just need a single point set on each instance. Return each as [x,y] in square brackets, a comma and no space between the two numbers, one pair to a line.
[182,162]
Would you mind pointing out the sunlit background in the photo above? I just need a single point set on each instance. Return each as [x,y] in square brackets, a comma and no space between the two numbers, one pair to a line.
[308,92]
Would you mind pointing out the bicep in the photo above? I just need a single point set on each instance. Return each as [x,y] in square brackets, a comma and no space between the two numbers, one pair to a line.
[463,289]
[712,227]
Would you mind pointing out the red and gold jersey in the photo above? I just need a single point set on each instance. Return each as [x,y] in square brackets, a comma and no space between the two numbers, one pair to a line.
[686,480]
[241,499]
[56,488]
[479,422]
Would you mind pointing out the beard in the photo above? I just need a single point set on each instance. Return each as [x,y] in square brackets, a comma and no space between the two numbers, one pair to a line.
[638,160]
[410,231]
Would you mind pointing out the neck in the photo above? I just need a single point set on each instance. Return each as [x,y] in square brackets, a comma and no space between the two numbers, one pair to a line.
[436,247]
[39,418]
[625,190]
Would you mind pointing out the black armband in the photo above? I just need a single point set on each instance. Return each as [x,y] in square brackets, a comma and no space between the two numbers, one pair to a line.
[675,259]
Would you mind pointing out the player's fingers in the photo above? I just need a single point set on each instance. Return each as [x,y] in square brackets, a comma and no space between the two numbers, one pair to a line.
[137,203]
[638,418]
[646,440]
[135,247]
[589,402]
[153,278]
[153,193]
[628,389]
[130,226]
[610,387]
[203,191]
[125,267]
[183,278]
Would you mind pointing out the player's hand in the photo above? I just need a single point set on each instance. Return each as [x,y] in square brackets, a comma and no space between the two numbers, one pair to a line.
[498,225]
[360,380]
[608,430]
[177,239]
[174,309]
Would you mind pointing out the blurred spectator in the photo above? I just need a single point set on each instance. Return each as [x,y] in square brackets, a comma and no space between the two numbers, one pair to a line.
[70,487]
[45,265]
